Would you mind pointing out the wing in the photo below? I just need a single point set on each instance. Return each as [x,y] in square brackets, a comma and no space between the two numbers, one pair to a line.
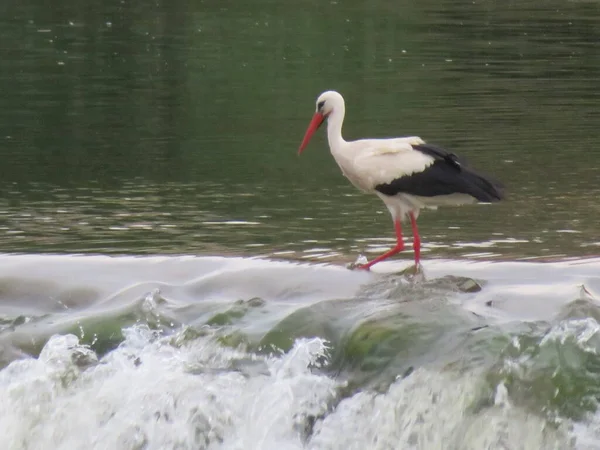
[383,160]
[439,154]
[445,174]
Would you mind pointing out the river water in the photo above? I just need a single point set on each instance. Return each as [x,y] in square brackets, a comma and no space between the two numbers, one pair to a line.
[173,275]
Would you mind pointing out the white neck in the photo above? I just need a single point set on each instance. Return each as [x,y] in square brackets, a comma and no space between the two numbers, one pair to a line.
[335,121]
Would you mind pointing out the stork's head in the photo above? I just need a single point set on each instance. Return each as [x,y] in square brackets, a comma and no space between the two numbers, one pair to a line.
[327,103]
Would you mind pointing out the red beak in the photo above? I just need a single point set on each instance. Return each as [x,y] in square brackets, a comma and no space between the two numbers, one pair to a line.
[313,126]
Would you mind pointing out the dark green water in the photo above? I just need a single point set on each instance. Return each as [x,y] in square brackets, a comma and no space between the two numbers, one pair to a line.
[171,128]
[135,127]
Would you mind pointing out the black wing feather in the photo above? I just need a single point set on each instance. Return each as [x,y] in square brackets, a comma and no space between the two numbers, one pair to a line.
[447,175]
[438,153]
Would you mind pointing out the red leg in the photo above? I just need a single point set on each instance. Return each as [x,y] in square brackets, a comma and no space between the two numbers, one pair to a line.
[416,238]
[397,249]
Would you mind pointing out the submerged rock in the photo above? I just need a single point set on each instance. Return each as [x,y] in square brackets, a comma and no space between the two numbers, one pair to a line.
[236,312]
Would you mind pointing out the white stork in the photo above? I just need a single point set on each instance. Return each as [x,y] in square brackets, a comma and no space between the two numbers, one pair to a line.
[406,173]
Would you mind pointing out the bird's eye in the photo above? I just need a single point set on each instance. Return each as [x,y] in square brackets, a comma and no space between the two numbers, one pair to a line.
[320,104]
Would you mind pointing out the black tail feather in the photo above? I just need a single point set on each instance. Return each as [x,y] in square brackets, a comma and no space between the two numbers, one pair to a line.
[482,187]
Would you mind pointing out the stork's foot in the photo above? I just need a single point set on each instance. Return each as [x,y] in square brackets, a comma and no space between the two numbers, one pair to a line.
[361,263]
[414,273]
[415,269]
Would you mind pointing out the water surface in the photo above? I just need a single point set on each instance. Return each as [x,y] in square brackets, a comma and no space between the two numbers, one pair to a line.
[209,306]
[185,352]
[158,128]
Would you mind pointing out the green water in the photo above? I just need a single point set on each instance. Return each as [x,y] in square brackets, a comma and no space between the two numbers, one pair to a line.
[140,132]
[129,127]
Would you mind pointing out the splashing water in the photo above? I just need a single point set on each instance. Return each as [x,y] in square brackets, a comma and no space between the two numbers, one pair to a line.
[156,392]
[151,394]
[180,362]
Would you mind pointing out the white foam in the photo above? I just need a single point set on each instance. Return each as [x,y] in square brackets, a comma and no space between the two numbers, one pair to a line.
[153,395]
[432,411]
[170,393]
[584,332]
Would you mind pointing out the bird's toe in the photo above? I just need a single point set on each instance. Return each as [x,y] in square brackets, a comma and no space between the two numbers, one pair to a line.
[358,266]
